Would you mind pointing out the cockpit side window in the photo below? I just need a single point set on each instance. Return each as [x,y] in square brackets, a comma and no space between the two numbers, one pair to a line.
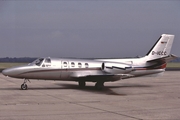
[39,61]
[48,60]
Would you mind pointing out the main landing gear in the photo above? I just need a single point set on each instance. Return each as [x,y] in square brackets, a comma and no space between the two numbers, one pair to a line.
[24,85]
[82,84]
[98,85]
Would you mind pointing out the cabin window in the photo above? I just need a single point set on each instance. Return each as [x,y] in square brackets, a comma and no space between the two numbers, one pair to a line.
[65,64]
[48,60]
[79,65]
[86,65]
[72,64]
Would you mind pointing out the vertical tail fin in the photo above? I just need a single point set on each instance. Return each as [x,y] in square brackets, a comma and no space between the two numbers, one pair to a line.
[161,48]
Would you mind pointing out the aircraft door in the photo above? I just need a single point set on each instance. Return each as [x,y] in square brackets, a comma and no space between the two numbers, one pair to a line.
[64,72]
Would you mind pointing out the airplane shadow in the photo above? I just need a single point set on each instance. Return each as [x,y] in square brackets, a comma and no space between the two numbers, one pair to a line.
[108,90]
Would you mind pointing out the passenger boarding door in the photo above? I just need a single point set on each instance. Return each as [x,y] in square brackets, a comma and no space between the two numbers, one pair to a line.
[64,70]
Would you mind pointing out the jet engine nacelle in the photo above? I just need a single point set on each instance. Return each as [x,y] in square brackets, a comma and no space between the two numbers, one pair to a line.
[116,68]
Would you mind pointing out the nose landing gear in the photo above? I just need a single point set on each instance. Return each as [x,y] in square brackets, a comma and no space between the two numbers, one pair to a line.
[24,85]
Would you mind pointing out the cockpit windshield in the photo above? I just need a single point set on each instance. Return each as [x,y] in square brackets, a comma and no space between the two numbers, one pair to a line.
[37,62]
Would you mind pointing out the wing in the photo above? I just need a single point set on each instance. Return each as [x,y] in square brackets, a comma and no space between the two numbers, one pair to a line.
[98,75]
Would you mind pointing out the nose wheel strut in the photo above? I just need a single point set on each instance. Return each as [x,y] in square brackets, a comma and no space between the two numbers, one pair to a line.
[24,85]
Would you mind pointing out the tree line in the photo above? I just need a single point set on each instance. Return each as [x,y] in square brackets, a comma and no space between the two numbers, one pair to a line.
[17,60]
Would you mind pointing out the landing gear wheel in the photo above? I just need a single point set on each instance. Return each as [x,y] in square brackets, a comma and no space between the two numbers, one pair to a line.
[24,87]
[82,84]
[99,85]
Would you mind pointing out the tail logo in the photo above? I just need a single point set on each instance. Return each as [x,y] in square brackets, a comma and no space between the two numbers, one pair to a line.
[163,42]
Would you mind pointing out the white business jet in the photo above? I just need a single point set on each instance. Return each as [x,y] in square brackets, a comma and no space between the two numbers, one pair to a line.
[97,70]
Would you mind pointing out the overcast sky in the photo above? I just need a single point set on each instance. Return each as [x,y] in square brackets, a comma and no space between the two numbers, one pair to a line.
[86,28]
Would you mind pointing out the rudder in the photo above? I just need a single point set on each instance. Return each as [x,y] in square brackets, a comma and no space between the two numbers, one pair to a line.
[161,48]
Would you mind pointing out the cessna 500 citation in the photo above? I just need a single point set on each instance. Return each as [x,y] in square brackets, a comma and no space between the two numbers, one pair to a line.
[97,70]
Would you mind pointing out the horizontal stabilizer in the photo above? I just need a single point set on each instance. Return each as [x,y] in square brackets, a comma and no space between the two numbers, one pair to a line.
[166,59]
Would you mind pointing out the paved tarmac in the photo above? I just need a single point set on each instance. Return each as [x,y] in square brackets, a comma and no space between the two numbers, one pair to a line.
[131,99]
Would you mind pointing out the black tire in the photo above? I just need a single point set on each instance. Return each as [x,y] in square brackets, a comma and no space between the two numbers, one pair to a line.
[82,84]
[99,85]
[24,87]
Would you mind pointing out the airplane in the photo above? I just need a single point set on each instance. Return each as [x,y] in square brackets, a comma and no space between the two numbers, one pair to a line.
[96,70]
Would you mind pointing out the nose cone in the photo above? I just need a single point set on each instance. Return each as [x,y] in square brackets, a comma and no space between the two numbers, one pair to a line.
[16,72]
[12,72]
[8,72]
